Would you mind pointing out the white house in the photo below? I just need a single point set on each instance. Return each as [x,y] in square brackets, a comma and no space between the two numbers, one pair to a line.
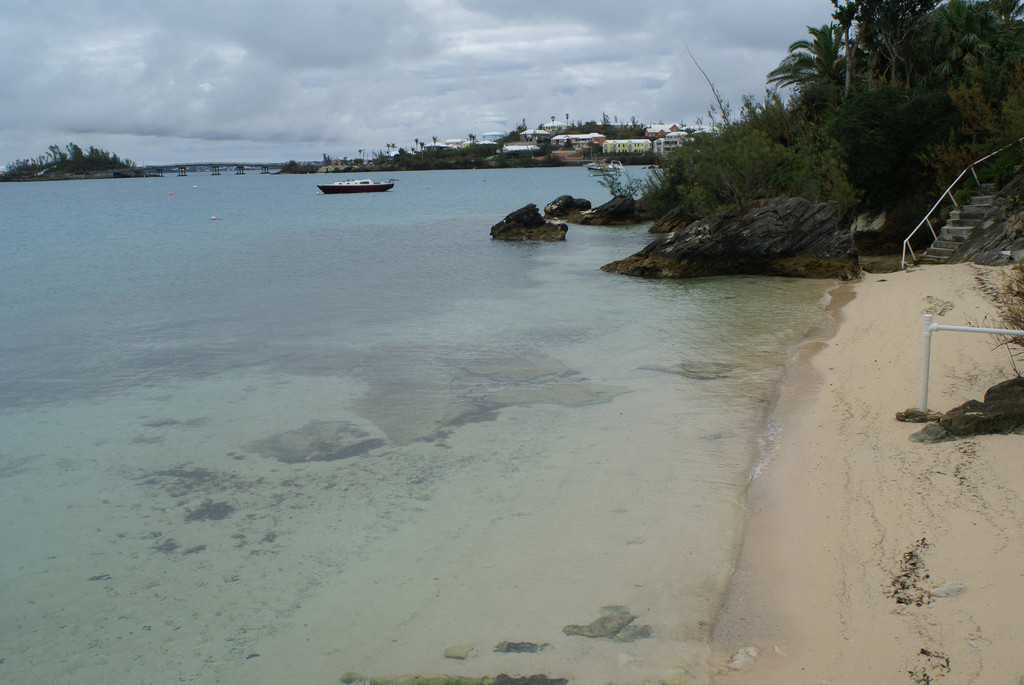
[534,135]
[554,125]
[492,137]
[669,141]
[520,147]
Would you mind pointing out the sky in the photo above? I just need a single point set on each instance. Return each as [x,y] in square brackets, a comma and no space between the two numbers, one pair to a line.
[275,80]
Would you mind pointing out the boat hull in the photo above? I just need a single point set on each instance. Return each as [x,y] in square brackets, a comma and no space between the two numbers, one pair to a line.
[346,189]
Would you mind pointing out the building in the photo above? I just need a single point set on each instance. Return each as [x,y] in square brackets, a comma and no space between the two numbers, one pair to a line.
[492,136]
[534,135]
[553,125]
[578,141]
[670,141]
[662,130]
[520,147]
[626,146]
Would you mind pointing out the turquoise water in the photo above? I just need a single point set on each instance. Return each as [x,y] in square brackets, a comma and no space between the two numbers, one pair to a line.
[330,433]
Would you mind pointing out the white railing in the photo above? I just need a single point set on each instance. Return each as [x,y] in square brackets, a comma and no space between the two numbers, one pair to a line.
[926,349]
[948,192]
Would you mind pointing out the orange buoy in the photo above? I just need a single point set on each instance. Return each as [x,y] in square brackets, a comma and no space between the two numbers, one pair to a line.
[170,193]
[213,218]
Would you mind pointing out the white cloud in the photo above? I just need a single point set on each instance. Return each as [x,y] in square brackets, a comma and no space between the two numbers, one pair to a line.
[264,80]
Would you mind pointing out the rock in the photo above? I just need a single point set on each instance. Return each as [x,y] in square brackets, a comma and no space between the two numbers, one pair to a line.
[614,624]
[526,223]
[1001,412]
[932,432]
[676,220]
[950,589]
[742,659]
[618,211]
[613,619]
[567,208]
[460,652]
[784,238]
[520,647]
[914,415]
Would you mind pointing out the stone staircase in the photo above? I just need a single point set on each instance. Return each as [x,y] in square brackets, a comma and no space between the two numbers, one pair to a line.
[959,226]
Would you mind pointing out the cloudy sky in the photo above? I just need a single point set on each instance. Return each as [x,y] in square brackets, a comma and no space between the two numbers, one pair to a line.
[273,80]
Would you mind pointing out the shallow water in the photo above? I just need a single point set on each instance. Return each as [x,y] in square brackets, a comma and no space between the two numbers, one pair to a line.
[344,433]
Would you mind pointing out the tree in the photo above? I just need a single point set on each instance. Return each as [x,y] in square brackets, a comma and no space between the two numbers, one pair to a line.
[846,15]
[894,23]
[813,60]
[962,33]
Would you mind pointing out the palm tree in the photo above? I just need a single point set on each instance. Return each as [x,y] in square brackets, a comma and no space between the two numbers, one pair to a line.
[813,61]
[963,33]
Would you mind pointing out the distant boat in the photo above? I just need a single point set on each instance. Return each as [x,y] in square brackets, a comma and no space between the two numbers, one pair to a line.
[357,185]
[603,168]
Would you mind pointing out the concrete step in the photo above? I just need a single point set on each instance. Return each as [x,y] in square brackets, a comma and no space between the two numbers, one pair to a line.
[956,232]
[930,259]
[946,244]
[941,252]
[968,212]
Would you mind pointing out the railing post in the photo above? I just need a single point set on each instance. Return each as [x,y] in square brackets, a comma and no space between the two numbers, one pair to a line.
[926,358]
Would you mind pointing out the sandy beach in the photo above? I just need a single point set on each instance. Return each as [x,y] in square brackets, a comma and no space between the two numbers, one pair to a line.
[849,516]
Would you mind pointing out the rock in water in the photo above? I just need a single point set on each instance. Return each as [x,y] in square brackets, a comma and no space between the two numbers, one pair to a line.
[526,223]
[783,238]
[566,207]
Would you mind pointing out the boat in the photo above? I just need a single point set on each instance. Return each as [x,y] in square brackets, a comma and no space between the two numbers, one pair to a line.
[602,168]
[357,185]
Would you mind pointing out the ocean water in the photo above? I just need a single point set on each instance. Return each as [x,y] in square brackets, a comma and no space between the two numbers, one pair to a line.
[329,434]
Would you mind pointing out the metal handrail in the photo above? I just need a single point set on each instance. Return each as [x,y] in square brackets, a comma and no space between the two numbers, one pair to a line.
[930,327]
[948,191]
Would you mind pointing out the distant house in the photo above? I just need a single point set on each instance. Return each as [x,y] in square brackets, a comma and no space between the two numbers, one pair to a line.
[492,137]
[456,143]
[578,141]
[554,125]
[669,141]
[628,146]
[534,135]
[662,130]
[520,147]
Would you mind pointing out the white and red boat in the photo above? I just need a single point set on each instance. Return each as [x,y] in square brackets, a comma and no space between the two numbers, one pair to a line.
[357,185]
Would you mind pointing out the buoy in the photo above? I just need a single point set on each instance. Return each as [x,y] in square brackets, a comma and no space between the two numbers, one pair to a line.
[195,186]
[213,218]
[170,193]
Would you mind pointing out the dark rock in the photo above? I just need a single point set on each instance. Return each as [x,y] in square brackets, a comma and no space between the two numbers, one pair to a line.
[676,220]
[526,223]
[1001,412]
[502,679]
[567,208]
[914,415]
[613,619]
[932,432]
[520,647]
[618,211]
[784,238]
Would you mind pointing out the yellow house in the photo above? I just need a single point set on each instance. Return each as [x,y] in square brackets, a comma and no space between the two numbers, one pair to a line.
[632,145]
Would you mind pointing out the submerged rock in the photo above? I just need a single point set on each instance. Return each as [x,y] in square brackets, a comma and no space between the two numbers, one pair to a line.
[526,223]
[615,624]
[784,238]
[317,441]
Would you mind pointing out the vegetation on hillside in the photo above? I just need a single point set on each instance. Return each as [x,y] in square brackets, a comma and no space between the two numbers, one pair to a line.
[892,100]
[71,160]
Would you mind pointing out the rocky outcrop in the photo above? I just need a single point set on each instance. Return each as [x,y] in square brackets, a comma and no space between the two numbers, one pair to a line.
[526,223]
[618,211]
[566,208]
[1002,411]
[784,238]
[675,220]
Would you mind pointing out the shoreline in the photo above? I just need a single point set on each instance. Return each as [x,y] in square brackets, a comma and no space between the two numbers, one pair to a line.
[847,508]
